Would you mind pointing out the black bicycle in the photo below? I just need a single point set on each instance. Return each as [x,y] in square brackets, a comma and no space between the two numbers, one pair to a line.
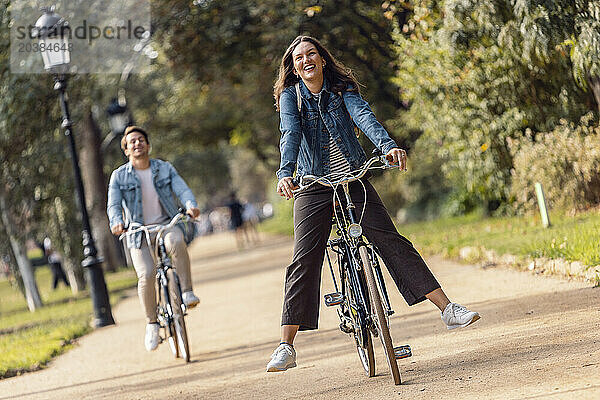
[171,310]
[364,306]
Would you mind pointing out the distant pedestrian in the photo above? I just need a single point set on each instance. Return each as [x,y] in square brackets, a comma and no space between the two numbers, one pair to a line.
[250,218]
[235,218]
[55,263]
[4,267]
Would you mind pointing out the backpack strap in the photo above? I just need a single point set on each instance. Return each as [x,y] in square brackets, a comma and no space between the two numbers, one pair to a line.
[298,97]
[356,130]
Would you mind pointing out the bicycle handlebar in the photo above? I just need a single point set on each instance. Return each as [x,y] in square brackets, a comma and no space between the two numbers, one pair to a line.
[342,177]
[136,227]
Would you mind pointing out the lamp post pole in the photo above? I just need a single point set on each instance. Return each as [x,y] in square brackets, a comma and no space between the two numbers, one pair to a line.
[92,263]
[50,30]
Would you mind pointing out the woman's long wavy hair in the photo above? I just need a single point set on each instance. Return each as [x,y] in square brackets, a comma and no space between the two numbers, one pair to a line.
[334,71]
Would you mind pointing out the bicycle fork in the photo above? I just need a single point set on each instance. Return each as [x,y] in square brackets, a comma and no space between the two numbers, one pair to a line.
[350,207]
[164,313]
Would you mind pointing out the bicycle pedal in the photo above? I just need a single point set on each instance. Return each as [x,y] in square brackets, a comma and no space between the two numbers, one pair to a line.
[403,351]
[346,328]
[334,299]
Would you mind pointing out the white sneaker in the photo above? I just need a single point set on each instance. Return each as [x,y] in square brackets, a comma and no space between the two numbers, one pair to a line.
[457,316]
[190,299]
[151,340]
[283,357]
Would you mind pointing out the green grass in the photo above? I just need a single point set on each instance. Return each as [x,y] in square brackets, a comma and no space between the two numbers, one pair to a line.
[28,341]
[282,222]
[573,238]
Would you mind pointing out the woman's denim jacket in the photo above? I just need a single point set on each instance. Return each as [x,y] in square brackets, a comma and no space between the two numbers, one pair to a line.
[125,197]
[302,141]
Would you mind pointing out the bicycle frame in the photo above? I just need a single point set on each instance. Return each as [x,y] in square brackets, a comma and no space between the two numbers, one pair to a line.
[163,264]
[363,300]
[349,262]
[348,244]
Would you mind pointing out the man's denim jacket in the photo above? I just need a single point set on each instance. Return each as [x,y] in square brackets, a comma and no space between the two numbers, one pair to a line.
[125,197]
[302,141]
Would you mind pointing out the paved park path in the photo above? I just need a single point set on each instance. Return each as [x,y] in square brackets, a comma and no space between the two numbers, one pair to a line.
[538,338]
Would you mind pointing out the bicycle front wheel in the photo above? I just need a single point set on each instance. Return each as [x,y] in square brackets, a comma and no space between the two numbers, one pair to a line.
[165,316]
[381,320]
[183,346]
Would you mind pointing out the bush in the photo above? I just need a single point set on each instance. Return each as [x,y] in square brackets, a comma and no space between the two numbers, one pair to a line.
[565,161]
[282,221]
[420,193]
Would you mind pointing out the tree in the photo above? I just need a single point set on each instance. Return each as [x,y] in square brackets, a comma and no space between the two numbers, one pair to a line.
[95,184]
[575,24]
[232,49]
[473,82]
[31,166]
[32,295]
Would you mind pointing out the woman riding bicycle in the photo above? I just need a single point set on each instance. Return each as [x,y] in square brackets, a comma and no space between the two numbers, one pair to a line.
[317,138]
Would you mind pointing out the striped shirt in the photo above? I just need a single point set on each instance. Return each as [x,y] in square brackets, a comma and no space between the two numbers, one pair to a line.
[337,161]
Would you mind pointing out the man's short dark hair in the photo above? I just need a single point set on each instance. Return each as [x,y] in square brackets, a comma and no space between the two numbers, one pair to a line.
[131,129]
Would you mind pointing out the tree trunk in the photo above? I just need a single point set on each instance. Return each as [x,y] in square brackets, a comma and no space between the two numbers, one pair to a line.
[75,275]
[73,268]
[595,85]
[14,277]
[32,294]
[96,193]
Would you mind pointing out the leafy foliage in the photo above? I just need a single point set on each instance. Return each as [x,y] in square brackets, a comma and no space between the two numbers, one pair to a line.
[481,76]
[232,49]
[565,161]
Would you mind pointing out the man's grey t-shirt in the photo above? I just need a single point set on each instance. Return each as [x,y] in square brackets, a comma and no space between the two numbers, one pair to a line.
[152,210]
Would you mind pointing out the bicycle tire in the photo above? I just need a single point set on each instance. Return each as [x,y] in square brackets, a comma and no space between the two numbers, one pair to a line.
[380,316]
[181,336]
[169,327]
[366,354]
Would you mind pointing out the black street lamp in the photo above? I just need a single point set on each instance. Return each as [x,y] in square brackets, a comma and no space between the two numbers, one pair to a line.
[52,32]
[118,117]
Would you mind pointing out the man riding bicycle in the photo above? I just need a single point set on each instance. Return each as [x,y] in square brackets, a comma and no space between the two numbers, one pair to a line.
[142,191]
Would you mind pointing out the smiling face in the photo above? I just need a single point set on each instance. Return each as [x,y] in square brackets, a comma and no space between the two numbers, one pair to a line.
[137,146]
[308,63]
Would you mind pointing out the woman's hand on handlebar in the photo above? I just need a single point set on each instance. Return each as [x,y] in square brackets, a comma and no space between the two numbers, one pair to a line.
[285,187]
[397,157]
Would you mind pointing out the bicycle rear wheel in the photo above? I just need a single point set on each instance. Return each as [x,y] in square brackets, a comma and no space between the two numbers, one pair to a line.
[380,316]
[181,337]
[367,356]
